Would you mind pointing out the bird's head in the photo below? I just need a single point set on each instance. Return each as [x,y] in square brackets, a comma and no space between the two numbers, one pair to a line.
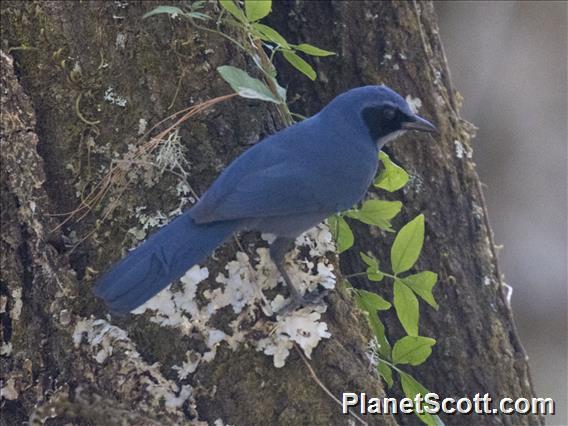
[384,112]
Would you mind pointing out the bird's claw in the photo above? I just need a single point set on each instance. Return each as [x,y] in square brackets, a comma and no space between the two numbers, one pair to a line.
[314,298]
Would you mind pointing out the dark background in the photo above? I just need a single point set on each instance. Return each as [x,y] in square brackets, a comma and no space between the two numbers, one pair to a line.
[509,61]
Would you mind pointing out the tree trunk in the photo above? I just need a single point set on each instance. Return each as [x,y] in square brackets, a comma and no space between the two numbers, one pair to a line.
[86,78]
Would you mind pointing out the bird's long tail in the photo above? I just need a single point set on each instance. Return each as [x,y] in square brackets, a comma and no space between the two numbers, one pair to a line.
[161,259]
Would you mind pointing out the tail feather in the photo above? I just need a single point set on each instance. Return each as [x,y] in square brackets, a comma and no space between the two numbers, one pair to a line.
[158,261]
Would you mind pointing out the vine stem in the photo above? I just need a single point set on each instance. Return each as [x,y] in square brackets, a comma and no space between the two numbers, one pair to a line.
[266,65]
[360,274]
[219,33]
[391,365]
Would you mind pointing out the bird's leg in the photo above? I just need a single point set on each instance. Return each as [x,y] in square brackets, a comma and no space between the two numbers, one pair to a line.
[278,249]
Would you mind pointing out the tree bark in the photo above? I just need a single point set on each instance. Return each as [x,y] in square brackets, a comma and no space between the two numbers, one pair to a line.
[58,136]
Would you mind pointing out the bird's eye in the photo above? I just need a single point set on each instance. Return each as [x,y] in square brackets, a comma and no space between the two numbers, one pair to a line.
[389,113]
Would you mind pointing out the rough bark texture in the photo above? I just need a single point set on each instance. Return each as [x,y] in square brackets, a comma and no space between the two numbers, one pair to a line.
[54,125]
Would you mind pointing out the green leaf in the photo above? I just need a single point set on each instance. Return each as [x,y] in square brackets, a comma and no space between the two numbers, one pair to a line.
[385,371]
[257,9]
[300,64]
[245,85]
[371,302]
[270,34]
[170,10]
[422,284]
[377,212]
[371,307]
[341,233]
[391,177]
[233,9]
[411,387]
[373,271]
[407,245]
[413,350]
[406,307]
[312,50]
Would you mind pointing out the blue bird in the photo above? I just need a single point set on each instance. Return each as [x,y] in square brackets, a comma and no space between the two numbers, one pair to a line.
[283,185]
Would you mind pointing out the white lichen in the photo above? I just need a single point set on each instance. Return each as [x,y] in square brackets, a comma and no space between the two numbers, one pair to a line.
[3,304]
[437,77]
[6,348]
[111,97]
[178,308]
[120,41]
[151,221]
[459,149]
[101,340]
[17,304]
[278,303]
[172,155]
[182,188]
[370,16]
[142,126]
[477,211]
[414,103]
[415,182]
[373,353]
[302,327]
[99,334]
[76,68]
[189,365]
[9,391]
[318,239]
[241,288]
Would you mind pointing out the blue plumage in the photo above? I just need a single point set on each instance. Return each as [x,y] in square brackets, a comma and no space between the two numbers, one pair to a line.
[284,185]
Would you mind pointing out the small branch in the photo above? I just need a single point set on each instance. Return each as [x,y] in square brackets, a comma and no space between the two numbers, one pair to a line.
[321,385]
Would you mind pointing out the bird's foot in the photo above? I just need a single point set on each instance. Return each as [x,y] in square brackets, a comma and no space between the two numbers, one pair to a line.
[297,302]
[315,297]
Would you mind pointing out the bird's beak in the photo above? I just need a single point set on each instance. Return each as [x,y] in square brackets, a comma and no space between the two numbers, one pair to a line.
[420,124]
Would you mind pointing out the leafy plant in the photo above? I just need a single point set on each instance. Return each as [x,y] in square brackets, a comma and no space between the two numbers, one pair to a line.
[258,39]
[255,10]
[412,349]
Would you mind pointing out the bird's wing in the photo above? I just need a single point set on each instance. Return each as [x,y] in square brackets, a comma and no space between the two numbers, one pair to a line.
[271,179]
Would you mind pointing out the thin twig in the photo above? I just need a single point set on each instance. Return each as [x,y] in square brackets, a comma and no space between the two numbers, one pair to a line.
[321,385]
